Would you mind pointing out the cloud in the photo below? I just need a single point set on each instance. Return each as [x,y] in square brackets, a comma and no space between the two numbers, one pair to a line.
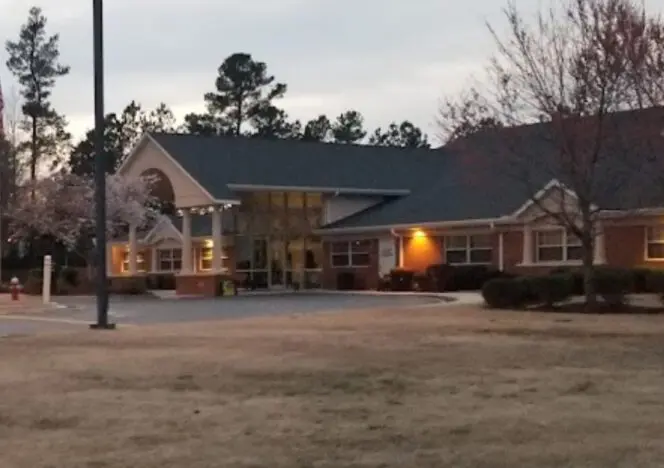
[391,60]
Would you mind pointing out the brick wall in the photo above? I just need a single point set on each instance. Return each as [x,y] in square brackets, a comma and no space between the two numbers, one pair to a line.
[420,252]
[365,277]
[625,246]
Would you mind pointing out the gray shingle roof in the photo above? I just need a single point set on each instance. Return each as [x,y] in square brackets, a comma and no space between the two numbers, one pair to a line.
[215,162]
[473,179]
[493,173]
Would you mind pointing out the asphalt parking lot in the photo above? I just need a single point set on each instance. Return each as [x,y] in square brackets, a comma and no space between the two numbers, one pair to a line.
[142,311]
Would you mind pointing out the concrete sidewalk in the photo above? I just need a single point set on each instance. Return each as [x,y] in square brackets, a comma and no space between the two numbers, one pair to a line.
[25,305]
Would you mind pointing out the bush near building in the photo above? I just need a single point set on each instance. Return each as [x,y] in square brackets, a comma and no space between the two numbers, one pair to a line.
[550,292]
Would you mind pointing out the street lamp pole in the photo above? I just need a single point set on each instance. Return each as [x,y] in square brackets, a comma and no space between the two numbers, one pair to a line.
[100,169]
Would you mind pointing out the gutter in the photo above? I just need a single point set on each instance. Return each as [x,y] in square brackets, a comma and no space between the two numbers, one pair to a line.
[491,222]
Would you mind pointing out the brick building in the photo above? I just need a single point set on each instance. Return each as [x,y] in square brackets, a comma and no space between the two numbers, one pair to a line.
[278,212]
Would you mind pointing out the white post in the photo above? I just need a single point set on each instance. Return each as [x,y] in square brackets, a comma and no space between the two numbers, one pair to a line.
[46,285]
[186,242]
[216,240]
[133,251]
[600,248]
[527,245]
[501,251]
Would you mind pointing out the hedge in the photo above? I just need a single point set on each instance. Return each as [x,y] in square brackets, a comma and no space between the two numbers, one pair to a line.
[506,293]
[611,284]
[550,290]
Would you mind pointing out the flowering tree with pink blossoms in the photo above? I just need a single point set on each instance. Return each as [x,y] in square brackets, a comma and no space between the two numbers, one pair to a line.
[63,208]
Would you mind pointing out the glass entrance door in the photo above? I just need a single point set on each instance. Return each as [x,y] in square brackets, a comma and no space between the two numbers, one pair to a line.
[278,264]
[296,262]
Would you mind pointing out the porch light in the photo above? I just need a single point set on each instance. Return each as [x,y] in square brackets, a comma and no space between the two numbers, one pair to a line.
[227,206]
[418,233]
[210,209]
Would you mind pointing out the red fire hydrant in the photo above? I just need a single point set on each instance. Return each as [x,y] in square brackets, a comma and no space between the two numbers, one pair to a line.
[15,288]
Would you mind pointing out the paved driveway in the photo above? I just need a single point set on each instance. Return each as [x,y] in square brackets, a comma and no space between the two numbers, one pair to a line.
[139,310]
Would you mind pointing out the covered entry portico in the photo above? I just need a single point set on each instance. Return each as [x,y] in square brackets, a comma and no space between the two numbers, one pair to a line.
[260,236]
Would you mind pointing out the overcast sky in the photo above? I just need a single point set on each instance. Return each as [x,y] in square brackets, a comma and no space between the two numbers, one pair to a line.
[389,59]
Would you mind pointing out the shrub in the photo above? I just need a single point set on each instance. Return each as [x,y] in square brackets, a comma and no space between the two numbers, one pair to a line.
[469,277]
[384,283]
[613,285]
[576,277]
[461,277]
[33,285]
[68,276]
[401,280]
[438,276]
[506,293]
[640,280]
[550,290]
[422,282]
[655,284]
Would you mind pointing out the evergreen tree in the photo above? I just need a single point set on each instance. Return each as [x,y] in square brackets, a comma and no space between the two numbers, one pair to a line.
[404,135]
[34,61]
[243,89]
[349,127]
[318,129]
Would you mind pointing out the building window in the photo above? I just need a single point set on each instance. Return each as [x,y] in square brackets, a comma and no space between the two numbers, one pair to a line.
[350,254]
[140,262]
[205,259]
[169,259]
[557,246]
[655,243]
[473,249]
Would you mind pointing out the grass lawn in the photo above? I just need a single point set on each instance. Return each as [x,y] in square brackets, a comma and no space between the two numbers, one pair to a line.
[455,387]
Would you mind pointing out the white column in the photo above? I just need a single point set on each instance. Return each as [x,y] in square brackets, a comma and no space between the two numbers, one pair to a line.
[217,239]
[501,251]
[527,245]
[46,286]
[133,251]
[186,242]
[600,247]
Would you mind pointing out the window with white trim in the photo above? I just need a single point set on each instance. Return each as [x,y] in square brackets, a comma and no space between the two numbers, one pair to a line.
[169,259]
[474,249]
[205,256]
[140,262]
[350,254]
[557,246]
[655,243]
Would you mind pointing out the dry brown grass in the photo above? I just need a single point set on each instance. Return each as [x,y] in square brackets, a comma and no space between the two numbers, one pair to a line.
[427,387]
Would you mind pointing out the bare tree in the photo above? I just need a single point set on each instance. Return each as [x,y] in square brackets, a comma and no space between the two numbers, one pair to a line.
[576,84]
[463,115]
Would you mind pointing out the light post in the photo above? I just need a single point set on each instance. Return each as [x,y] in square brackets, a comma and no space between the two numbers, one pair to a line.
[100,169]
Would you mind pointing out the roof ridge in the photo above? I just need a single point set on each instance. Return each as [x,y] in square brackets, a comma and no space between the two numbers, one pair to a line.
[437,150]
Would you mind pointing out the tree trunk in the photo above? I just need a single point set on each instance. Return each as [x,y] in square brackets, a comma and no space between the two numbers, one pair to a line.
[589,274]
[34,156]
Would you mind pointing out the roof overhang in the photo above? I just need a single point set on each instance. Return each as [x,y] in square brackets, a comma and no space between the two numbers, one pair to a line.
[489,222]
[332,190]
